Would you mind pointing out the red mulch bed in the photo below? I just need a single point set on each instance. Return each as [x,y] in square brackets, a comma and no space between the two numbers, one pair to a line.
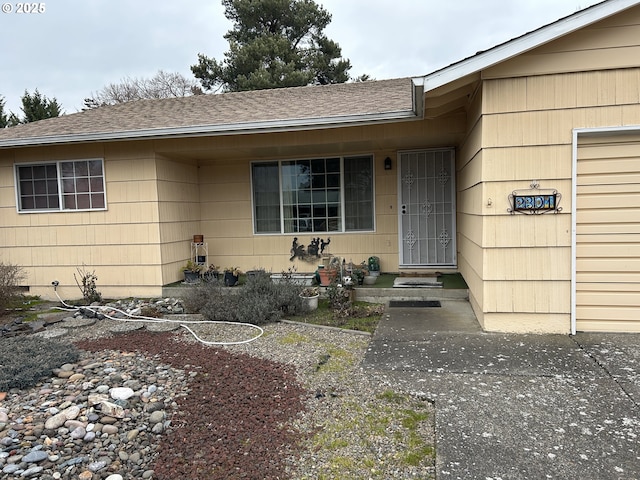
[234,423]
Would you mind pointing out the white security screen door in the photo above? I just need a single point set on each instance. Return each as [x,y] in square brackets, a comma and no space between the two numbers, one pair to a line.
[427,208]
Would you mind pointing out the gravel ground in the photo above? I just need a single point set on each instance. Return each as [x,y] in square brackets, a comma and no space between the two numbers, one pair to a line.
[296,396]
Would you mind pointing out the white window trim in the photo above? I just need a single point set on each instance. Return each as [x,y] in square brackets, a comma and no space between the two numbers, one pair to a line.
[60,193]
[342,199]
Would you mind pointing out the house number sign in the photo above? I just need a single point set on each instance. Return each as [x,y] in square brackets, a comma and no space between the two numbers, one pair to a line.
[534,200]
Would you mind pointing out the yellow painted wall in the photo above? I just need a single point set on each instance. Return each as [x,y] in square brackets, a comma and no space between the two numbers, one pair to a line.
[121,244]
[160,193]
[469,172]
[518,266]
[527,136]
[606,45]
[227,223]
[178,214]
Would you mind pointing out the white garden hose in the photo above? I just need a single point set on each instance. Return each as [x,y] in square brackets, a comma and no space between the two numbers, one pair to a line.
[140,318]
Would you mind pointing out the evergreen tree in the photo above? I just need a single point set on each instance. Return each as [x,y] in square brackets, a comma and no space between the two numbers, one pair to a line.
[4,121]
[36,107]
[274,43]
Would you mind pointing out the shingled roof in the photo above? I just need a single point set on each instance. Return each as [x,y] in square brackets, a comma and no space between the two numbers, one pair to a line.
[237,112]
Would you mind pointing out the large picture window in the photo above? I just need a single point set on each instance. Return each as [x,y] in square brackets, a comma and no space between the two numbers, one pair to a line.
[72,185]
[331,194]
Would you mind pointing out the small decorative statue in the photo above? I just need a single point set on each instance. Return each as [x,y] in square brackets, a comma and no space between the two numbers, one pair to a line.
[297,250]
[314,250]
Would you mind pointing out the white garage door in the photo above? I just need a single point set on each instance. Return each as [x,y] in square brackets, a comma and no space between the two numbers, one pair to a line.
[608,234]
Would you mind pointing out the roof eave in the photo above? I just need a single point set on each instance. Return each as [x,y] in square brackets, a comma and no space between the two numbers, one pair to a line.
[522,44]
[214,130]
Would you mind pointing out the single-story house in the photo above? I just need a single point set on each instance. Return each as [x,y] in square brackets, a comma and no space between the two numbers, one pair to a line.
[518,167]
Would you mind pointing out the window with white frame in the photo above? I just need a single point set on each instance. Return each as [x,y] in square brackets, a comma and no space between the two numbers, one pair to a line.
[61,186]
[333,194]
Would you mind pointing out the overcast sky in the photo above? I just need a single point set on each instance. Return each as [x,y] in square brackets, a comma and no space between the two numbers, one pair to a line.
[75,47]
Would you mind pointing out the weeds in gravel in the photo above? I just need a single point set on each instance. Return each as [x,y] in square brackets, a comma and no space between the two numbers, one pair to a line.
[335,360]
[364,316]
[368,424]
[25,360]
[293,338]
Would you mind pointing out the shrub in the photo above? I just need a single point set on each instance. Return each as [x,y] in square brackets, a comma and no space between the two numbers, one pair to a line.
[25,360]
[10,277]
[340,300]
[87,285]
[259,301]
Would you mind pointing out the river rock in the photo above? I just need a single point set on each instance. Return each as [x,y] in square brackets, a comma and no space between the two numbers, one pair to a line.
[121,393]
[35,456]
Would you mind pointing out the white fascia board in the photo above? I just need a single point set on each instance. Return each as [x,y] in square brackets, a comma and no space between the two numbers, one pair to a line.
[523,44]
[214,130]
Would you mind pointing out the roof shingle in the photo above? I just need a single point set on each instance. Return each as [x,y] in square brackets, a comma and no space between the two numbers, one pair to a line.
[238,108]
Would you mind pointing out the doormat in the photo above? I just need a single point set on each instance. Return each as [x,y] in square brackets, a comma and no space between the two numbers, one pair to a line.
[415,303]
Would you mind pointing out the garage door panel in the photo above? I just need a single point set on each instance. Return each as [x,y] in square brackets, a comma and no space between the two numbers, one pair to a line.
[612,189]
[609,201]
[611,179]
[613,277]
[596,167]
[621,265]
[610,285]
[607,298]
[613,238]
[613,250]
[605,215]
[586,229]
[623,326]
[602,313]
[608,234]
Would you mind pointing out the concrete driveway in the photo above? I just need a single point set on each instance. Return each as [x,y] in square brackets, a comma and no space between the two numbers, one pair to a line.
[516,406]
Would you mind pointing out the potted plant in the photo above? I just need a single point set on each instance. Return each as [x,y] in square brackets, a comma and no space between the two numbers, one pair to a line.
[231,276]
[359,272]
[373,264]
[212,273]
[327,274]
[309,296]
[369,279]
[191,272]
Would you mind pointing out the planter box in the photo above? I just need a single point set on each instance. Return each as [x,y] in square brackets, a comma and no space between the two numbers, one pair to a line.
[305,279]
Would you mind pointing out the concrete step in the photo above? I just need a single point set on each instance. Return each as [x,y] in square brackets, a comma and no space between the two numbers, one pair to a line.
[383,295]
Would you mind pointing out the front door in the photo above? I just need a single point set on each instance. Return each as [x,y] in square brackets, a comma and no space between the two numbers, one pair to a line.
[427,208]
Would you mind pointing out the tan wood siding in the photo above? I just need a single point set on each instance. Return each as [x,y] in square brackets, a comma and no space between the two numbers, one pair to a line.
[608,234]
[121,244]
[610,44]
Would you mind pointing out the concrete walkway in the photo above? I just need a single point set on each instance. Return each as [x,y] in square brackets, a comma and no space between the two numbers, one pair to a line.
[517,406]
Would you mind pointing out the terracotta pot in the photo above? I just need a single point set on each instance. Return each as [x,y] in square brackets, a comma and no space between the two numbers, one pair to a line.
[327,276]
[198,239]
